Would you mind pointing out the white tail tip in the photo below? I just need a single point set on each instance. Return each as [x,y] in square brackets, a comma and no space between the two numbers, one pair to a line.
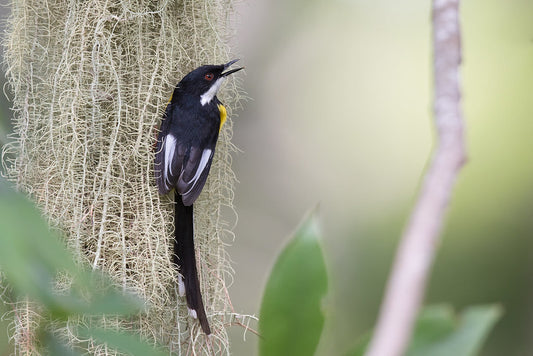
[192,313]
[181,286]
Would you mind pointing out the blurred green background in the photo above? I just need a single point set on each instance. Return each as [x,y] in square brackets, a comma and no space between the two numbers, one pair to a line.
[341,115]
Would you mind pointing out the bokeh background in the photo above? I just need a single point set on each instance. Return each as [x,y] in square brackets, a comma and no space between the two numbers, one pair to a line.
[340,115]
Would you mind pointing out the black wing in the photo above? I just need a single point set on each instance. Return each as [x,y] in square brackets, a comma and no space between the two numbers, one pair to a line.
[185,150]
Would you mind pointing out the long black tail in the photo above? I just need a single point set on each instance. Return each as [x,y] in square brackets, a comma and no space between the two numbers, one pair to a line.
[184,258]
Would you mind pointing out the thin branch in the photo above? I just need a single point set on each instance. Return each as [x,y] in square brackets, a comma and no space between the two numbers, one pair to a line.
[415,255]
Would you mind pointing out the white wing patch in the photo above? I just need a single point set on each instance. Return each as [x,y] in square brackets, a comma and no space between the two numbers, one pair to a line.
[206,97]
[170,147]
[201,166]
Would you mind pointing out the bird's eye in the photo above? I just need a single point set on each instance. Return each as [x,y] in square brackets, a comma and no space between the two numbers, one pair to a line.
[209,76]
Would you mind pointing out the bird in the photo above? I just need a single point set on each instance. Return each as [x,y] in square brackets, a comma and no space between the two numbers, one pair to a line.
[185,148]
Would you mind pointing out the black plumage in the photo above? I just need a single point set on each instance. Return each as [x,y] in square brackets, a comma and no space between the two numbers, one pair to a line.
[184,152]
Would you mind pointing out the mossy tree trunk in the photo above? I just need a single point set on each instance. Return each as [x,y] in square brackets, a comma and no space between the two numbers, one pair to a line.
[90,81]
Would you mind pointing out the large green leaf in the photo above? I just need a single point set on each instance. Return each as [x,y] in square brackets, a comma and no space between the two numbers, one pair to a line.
[439,332]
[291,318]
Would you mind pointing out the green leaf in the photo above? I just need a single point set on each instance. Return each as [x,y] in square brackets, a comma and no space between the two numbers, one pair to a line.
[30,253]
[291,319]
[434,324]
[56,347]
[102,297]
[130,344]
[31,256]
[439,332]
[444,335]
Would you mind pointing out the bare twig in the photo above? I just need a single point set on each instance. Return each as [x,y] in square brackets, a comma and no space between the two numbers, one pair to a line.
[408,279]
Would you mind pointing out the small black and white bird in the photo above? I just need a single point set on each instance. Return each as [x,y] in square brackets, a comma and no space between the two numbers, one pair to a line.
[185,147]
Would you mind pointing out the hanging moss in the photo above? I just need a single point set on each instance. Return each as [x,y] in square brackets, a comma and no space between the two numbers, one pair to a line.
[90,81]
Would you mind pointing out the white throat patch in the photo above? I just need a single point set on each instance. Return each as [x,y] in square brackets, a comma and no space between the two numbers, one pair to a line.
[206,97]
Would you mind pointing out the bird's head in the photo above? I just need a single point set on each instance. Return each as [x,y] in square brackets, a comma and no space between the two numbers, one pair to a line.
[205,81]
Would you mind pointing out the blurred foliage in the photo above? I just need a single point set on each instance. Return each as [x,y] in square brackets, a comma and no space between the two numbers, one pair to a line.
[125,342]
[342,115]
[291,317]
[31,259]
[439,332]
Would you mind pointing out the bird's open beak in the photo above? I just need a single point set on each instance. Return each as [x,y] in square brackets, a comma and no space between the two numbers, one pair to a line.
[227,65]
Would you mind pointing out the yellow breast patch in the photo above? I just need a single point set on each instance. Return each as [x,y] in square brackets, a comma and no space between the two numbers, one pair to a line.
[223,115]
